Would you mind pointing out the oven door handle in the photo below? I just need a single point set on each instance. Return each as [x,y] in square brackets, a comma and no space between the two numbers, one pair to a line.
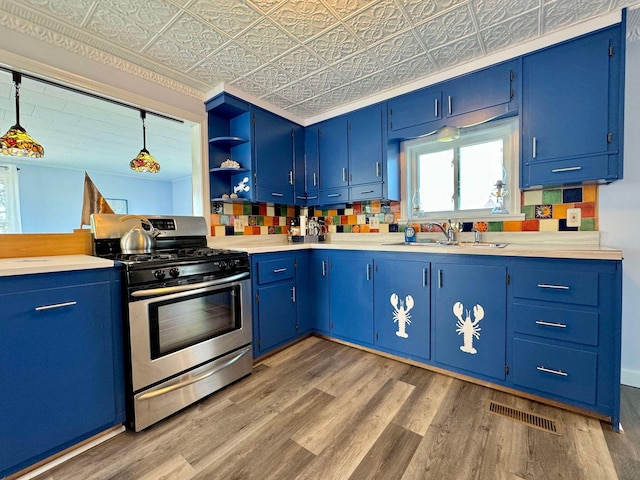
[197,378]
[190,286]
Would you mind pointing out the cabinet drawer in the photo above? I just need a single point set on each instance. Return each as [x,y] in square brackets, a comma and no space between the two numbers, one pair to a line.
[600,168]
[275,270]
[335,195]
[556,286]
[366,192]
[275,194]
[562,371]
[557,323]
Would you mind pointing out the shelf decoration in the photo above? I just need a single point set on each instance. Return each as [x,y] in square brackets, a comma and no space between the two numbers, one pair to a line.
[228,163]
[242,186]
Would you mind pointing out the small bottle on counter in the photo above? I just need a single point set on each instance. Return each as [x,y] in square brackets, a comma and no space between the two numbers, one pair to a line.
[409,233]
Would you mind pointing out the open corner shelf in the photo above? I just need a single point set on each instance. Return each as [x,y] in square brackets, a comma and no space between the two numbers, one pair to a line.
[229,170]
[228,142]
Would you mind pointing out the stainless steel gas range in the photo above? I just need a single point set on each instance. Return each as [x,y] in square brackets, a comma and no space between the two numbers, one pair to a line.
[187,315]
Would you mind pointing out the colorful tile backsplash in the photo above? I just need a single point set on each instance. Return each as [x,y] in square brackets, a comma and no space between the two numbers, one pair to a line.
[544,211]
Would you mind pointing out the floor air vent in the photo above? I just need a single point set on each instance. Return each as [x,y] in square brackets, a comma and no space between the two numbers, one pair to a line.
[531,419]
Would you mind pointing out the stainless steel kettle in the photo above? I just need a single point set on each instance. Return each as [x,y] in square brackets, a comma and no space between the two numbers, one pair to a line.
[138,240]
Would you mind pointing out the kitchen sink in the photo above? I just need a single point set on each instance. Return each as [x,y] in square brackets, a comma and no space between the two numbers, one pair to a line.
[445,244]
[482,245]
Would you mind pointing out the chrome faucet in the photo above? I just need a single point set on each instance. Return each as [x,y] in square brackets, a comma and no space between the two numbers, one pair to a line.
[449,233]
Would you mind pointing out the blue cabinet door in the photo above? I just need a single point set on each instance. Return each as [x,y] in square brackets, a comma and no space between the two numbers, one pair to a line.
[274,152]
[414,108]
[479,90]
[351,291]
[470,318]
[304,293]
[366,149]
[276,315]
[333,153]
[402,306]
[307,187]
[57,377]
[571,96]
[318,280]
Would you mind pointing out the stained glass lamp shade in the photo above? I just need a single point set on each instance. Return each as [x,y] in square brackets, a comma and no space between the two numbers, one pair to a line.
[144,162]
[17,141]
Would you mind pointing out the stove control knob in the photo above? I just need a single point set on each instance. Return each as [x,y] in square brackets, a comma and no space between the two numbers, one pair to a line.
[174,272]
[159,274]
[222,265]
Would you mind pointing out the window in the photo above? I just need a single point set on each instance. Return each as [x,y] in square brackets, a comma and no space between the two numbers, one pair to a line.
[456,178]
[9,200]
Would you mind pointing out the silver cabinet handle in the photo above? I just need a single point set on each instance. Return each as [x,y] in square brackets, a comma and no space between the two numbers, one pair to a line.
[534,148]
[566,169]
[315,177]
[279,270]
[377,169]
[368,272]
[293,294]
[290,177]
[301,197]
[435,107]
[195,379]
[312,198]
[344,174]
[540,368]
[439,278]
[331,195]
[450,104]
[553,287]
[56,305]
[424,277]
[324,268]
[550,324]
[365,191]
[275,194]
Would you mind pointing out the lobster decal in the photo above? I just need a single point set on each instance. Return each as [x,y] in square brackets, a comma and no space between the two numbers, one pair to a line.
[401,313]
[467,328]
[242,186]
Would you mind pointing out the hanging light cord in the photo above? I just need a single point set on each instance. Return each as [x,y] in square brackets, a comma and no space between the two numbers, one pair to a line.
[17,80]
[143,115]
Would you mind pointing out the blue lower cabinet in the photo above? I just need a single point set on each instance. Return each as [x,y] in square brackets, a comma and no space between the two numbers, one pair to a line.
[61,379]
[557,370]
[351,296]
[274,301]
[402,303]
[470,318]
[276,315]
[318,280]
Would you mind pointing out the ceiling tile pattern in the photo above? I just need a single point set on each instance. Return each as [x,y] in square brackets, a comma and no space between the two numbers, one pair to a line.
[304,56]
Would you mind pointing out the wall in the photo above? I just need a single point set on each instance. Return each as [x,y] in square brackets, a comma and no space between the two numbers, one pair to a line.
[544,211]
[38,185]
[182,196]
[620,215]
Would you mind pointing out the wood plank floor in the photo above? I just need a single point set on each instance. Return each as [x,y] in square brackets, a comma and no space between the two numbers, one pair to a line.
[320,410]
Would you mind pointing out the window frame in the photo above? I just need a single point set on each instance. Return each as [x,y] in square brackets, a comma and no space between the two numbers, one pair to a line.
[9,174]
[507,129]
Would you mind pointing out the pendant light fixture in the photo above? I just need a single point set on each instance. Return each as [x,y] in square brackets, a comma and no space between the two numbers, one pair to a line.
[17,141]
[144,162]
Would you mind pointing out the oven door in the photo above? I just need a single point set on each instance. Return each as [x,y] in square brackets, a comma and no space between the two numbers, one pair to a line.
[175,329]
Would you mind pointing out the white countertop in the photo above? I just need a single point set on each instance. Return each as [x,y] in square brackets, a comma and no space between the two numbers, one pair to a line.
[571,245]
[57,263]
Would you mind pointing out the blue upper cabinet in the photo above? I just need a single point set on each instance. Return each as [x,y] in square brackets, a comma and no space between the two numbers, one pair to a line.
[353,159]
[308,173]
[415,108]
[572,96]
[274,156]
[481,90]
[470,99]
[229,131]
[333,153]
[365,145]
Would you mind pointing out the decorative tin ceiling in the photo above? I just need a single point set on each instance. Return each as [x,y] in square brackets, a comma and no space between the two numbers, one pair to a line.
[304,56]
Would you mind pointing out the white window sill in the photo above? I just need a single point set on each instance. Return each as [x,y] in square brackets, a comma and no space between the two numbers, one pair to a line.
[461,217]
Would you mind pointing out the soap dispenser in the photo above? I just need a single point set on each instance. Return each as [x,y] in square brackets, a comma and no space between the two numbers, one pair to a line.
[409,233]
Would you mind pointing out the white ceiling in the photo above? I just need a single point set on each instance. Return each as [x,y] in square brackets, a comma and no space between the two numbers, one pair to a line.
[304,56]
